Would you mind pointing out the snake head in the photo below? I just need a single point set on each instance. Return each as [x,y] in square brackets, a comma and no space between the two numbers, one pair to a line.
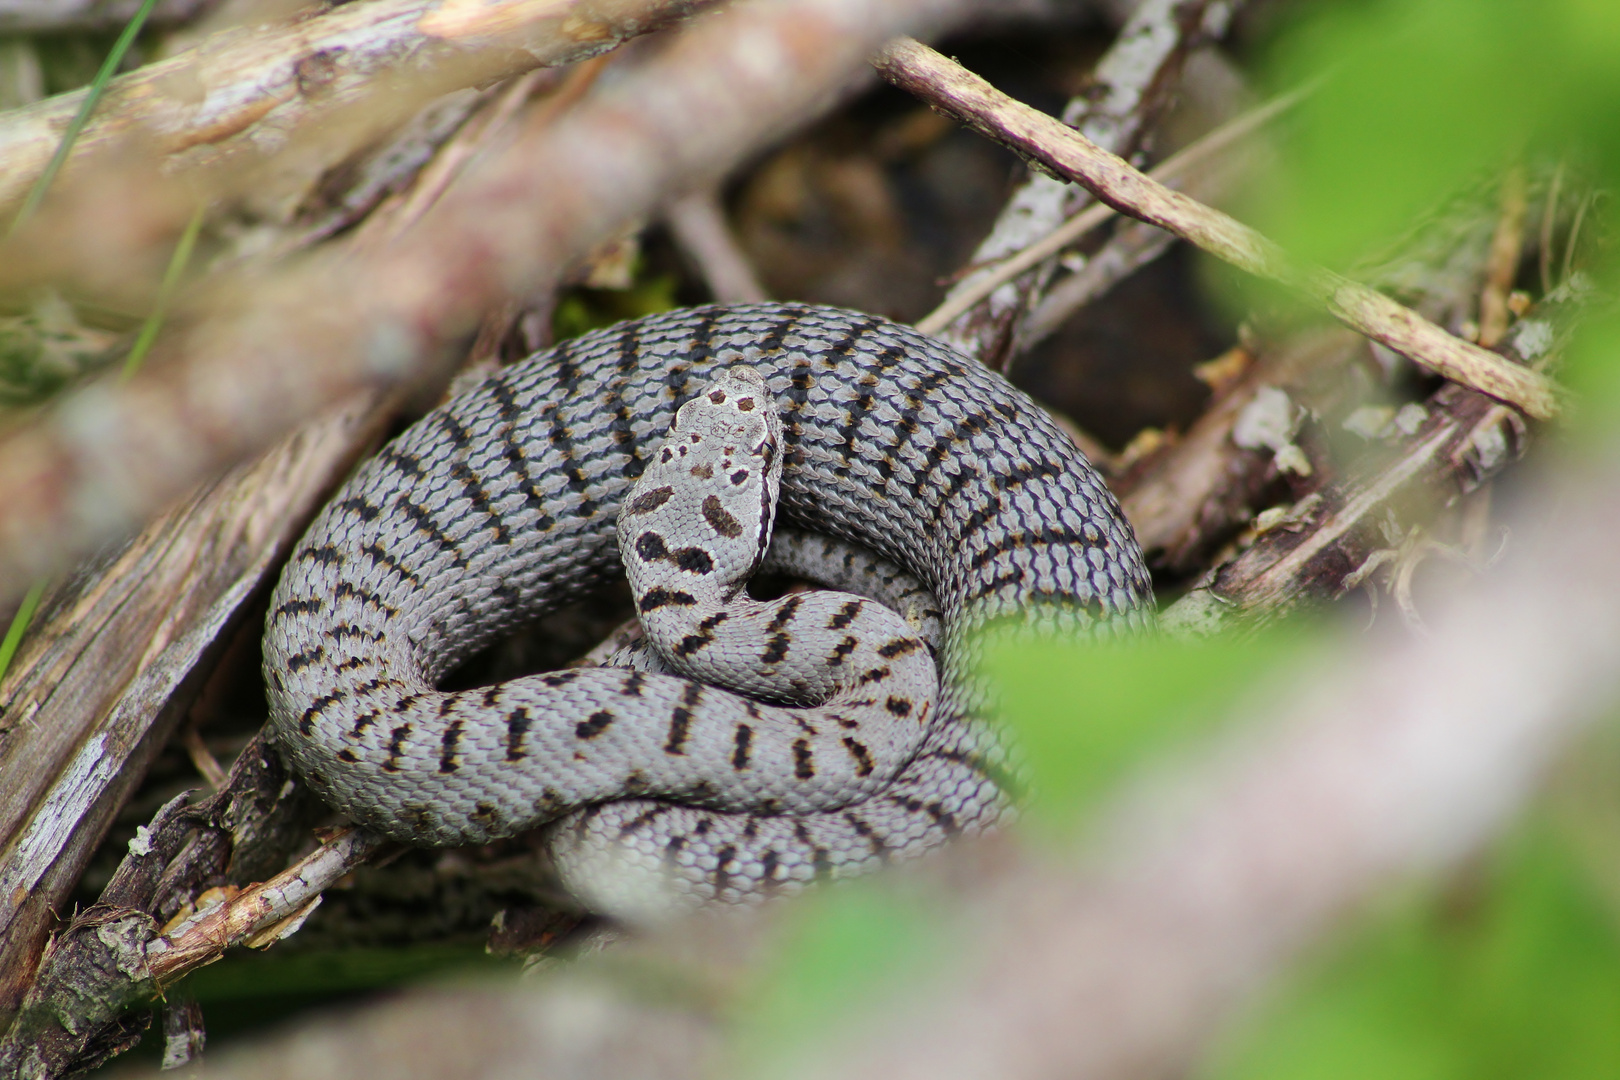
[701,514]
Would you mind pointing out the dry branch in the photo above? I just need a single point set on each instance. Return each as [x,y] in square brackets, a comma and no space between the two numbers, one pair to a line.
[1174,171]
[272,350]
[700,227]
[357,70]
[1129,88]
[55,16]
[1041,139]
[106,676]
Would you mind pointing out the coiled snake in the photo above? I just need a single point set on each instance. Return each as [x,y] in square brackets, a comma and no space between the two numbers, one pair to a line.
[504,502]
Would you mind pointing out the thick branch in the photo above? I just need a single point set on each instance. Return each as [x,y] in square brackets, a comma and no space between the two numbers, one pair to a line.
[358,69]
[110,670]
[1039,138]
[275,350]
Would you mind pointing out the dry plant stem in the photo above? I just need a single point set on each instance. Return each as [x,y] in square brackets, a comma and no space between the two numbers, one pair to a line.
[1129,87]
[1466,439]
[1391,757]
[454,156]
[1039,138]
[1205,487]
[1132,246]
[58,16]
[1174,171]
[201,939]
[700,227]
[1506,246]
[107,674]
[273,349]
[356,69]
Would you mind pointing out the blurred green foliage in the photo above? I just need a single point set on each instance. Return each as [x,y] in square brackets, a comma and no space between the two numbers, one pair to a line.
[1423,94]
[1083,715]
[581,310]
[1509,970]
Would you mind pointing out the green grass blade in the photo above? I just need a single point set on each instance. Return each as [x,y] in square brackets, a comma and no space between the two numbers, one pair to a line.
[98,86]
[19,625]
[171,281]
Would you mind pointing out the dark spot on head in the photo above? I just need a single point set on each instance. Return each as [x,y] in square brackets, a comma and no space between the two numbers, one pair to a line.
[653,599]
[704,471]
[719,519]
[718,397]
[650,546]
[648,501]
[745,404]
[694,560]
[739,476]
[666,455]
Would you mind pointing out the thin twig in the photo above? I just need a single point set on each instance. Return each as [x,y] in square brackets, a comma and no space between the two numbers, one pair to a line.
[952,89]
[700,227]
[1171,172]
[203,937]
[1503,264]
[1549,222]
[1131,85]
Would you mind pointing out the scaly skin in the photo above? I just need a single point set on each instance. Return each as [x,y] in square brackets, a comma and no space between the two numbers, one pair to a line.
[502,504]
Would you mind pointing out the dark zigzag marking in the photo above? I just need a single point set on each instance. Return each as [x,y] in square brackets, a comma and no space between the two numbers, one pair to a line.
[325,555]
[644,818]
[447,749]
[721,874]
[311,606]
[680,719]
[911,417]
[403,462]
[1022,474]
[471,487]
[511,415]
[1016,541]
[935,810]
[867,833]
[396,746]
[383,557]
[425,524]
[772,340]
[306,723]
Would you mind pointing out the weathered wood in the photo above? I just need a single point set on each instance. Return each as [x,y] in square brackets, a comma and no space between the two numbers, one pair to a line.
[347,75]
[119,654]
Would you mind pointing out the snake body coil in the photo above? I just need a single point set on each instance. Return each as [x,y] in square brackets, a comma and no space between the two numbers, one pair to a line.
[503,503]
